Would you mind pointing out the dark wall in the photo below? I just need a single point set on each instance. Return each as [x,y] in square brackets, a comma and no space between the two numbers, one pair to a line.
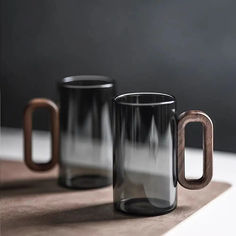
[186,48]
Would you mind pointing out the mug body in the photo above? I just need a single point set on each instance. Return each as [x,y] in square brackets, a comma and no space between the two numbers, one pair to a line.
[85,131]
[144,153]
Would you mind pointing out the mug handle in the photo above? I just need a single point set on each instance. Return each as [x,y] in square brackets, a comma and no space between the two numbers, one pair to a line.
[184,119]
[30,108]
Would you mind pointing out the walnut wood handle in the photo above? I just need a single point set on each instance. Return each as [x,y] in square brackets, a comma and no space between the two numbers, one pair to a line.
[32,105]
[184,119]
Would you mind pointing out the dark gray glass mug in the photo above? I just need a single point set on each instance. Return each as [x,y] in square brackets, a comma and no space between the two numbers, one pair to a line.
[148,152]
[85,150]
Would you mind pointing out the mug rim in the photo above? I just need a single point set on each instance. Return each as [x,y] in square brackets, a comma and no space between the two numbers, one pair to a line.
[118,99]
[106,82]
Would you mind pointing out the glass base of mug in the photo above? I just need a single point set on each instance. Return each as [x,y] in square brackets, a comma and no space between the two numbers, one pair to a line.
[84,182]
[144,206]
[83,178]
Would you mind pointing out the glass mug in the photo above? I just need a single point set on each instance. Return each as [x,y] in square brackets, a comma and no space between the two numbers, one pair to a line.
[148,152]
[85,150]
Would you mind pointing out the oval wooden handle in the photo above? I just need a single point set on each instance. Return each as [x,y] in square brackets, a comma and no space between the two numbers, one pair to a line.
[32,105]
[184,119]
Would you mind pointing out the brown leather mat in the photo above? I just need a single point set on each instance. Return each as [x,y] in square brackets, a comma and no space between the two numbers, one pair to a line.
[33,204]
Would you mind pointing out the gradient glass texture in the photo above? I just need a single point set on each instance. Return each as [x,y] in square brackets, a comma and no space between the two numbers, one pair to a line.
[85,130]
[144,155]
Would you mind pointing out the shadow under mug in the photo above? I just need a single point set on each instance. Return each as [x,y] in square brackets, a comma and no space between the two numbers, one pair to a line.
[85,150]
[149,152]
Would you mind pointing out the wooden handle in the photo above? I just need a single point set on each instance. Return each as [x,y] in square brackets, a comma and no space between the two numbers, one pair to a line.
[32,105]
[184,119]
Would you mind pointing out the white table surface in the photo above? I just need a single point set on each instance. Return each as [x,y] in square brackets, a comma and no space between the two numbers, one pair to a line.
[216,218]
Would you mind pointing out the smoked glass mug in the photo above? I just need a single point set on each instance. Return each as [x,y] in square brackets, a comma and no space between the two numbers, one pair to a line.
[149,152]
[81,132]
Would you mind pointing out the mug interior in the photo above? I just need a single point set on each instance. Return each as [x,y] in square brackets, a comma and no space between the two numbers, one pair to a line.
[86,81]
[145,98]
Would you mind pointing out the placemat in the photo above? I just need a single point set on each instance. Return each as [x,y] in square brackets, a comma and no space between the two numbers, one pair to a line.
[33,204]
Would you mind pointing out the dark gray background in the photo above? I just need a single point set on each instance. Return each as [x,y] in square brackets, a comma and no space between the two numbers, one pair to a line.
[185,47]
